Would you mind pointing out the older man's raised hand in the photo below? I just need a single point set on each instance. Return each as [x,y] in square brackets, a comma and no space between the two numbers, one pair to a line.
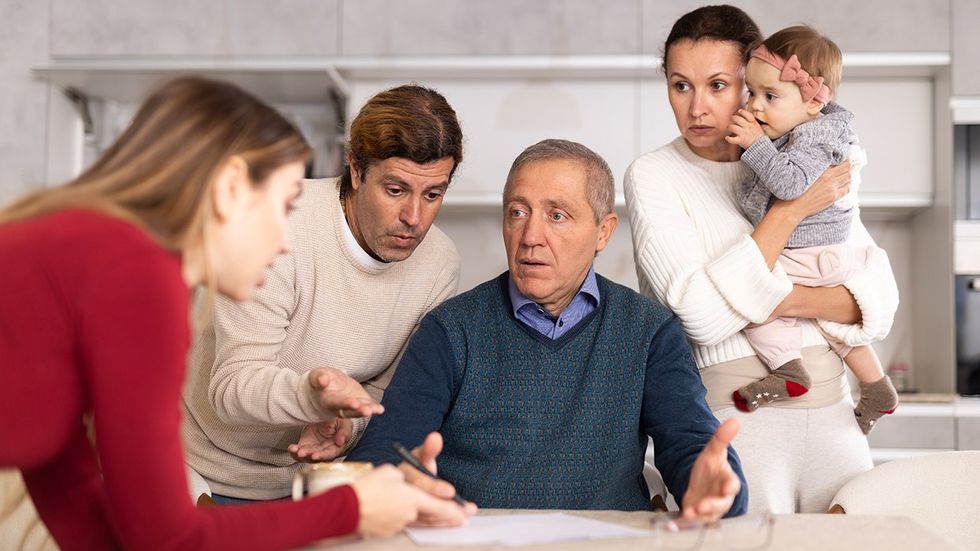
[713,484]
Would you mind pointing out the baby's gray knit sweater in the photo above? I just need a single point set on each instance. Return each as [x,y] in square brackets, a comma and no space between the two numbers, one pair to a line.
[786,167]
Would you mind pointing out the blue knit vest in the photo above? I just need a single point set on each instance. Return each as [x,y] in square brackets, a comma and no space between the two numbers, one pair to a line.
[545,424]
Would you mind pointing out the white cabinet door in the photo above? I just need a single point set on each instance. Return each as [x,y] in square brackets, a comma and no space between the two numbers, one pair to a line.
[894,121]
[502,117]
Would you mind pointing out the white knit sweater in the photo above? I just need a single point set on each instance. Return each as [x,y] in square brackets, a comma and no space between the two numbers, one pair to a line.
[325,304]
[695,255]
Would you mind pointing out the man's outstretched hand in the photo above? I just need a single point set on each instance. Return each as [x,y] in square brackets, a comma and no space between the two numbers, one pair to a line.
[713,484]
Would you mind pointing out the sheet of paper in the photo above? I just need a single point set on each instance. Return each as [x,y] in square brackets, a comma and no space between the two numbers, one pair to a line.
[523,530]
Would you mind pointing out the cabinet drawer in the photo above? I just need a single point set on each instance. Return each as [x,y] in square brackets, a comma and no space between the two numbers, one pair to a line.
[968,433]
[914,432]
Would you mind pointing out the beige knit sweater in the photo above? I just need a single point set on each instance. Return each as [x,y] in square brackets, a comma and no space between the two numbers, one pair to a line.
[325,304]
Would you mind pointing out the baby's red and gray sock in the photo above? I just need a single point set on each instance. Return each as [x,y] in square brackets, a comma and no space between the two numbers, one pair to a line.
[789,381]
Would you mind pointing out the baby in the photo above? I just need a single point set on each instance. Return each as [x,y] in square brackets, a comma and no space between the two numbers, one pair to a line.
[792,132]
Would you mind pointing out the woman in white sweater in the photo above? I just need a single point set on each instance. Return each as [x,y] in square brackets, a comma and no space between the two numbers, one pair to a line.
[699,256]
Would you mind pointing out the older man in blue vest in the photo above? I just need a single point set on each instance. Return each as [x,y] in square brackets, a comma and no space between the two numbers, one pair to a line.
[544,383]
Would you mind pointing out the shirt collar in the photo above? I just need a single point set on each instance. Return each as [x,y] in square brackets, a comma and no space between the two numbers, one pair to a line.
[360,255]
[518,300]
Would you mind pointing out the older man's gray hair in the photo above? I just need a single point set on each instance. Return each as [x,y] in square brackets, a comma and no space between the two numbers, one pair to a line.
[599,184]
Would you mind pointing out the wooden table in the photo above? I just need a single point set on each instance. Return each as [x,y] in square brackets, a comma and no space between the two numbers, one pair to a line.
[790,533]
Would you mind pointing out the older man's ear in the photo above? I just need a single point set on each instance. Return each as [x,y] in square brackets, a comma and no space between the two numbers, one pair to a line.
[606,228]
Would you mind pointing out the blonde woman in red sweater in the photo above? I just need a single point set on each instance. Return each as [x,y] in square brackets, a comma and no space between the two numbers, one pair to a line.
[97,277]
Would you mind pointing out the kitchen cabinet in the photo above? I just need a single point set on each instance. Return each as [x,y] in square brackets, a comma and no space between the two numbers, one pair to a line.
[622,115]
[923,428]
[616,104]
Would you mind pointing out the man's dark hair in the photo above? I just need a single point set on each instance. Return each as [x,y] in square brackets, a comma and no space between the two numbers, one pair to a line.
[410,121]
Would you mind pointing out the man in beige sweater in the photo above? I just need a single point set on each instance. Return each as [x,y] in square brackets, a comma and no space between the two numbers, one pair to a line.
[365,266]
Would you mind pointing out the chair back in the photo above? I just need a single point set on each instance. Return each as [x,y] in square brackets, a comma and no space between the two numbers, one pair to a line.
[939,491]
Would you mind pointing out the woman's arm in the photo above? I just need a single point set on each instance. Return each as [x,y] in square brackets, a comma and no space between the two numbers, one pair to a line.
[773,232]
[715,295]
[875,291]
[860,311]
[827,303]
[133,342]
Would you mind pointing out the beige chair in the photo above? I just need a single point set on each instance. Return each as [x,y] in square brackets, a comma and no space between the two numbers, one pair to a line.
[939,491]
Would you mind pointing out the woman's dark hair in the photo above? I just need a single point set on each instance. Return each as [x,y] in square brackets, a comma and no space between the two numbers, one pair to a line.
[725,23]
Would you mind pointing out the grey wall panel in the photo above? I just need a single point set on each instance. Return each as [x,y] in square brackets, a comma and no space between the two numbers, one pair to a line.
[23,100]
[117,27]
[490,27]
[865,26]
[194,27]
[966,48]
[283,27]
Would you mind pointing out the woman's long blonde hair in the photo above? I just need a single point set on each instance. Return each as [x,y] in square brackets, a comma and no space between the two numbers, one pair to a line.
[159,173]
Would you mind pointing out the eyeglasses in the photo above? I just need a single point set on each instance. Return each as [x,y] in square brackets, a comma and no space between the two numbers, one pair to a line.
[744,533]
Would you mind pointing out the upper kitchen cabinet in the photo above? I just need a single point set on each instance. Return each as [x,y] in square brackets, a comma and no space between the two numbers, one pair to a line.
[490,27]
[501,117]
[899,143]
[856,26]
[117,28]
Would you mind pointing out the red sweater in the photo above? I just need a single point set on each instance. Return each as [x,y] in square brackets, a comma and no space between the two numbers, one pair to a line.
[94,319]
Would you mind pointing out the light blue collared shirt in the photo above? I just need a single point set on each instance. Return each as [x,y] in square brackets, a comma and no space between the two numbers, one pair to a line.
[539,319]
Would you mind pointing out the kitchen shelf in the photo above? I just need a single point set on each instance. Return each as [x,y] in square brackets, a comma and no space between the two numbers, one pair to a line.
[127,80]
[965,109]
[303,79]
[893,204]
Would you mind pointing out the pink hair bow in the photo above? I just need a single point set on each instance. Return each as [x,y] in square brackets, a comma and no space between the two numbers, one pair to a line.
[792,71]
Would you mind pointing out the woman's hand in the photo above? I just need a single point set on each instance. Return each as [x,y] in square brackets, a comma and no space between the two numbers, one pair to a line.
[833,184]
[388,504]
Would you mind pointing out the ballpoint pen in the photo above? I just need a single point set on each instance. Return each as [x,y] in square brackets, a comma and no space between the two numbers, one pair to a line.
[411,460]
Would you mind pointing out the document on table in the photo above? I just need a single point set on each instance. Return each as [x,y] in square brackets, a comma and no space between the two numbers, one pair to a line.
[526,529]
